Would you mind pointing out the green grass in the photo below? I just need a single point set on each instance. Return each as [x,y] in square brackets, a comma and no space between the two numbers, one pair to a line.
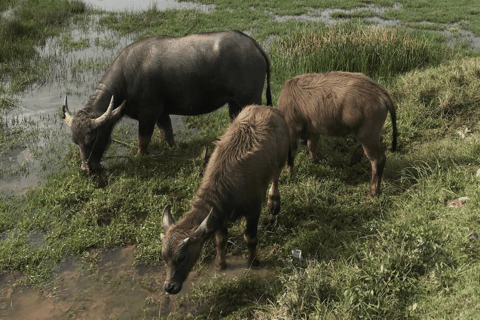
[381,53]
[402,255]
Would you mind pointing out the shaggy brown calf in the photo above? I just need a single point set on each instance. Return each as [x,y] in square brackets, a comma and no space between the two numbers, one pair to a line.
[246,158]
[335,104]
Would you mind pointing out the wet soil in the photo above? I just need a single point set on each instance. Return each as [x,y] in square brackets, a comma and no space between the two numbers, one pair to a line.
[109,285]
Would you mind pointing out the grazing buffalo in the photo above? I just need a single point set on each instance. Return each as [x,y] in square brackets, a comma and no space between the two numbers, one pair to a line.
[336,104]
[162,75]
[246,158]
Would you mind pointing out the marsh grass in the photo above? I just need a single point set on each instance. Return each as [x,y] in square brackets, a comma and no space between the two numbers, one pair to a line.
[25,24]
[380,53]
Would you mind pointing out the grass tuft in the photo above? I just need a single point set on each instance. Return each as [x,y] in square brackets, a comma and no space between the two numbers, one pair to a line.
[380,53]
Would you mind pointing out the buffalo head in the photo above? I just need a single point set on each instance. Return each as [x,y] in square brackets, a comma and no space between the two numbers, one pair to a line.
[92,134]
[181,248]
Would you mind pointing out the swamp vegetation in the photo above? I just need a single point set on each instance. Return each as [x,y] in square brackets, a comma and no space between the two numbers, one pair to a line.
[413,252]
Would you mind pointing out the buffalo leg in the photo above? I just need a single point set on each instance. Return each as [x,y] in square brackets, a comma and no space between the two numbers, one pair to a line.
[145,131]
[274,203]
[357,155]
[294,137]
[250,237]
[164,124]
[221,238]
[312,144]
[377,158]
[233,109]
[304,137]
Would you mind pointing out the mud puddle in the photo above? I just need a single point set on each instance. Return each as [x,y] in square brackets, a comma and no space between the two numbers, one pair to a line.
[109,285]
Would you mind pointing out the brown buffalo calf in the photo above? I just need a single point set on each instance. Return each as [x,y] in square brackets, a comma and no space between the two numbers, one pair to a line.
[336,104]
[246,159]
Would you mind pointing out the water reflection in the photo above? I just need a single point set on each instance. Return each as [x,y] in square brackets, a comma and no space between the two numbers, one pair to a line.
[136,6]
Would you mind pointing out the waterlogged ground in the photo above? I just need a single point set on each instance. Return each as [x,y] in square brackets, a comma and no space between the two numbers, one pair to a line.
[78,68]
[76,72]
[110,285]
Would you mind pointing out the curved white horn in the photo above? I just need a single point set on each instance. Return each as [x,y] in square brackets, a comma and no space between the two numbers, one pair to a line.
[100,121]
[66,113]
[167,220]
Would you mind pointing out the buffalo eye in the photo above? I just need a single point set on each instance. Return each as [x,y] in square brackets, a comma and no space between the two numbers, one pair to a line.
[181,259]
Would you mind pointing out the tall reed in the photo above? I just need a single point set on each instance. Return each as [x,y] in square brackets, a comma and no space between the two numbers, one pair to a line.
[380,53]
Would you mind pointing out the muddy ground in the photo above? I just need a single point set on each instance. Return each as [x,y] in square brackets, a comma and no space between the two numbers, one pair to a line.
[109,285]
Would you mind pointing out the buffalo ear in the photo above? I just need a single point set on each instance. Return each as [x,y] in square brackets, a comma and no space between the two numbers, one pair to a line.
[66,113]
[207,226]
[167,219]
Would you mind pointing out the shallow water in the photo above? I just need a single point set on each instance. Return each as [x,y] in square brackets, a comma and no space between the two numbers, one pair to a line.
[135,6]
[110,285]
[324,15]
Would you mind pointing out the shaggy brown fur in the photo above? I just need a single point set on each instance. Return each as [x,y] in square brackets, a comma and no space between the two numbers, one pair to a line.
[336,104]
[246,158]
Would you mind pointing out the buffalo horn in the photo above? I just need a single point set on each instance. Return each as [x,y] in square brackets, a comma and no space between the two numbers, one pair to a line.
[66,113]
[100,121]
[167,219]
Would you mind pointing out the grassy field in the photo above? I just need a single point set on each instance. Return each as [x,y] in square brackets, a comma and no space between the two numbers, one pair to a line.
[405,254]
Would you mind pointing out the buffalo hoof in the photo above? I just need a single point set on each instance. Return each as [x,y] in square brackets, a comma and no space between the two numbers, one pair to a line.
[93,168]
[143,153]
[372,194]
[315,158]
[255,263]
[271,221]
[222,265]
[274,205]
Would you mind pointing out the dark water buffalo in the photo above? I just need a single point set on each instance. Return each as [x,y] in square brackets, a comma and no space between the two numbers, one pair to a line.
[336,104]
[162,75]
[246,158]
